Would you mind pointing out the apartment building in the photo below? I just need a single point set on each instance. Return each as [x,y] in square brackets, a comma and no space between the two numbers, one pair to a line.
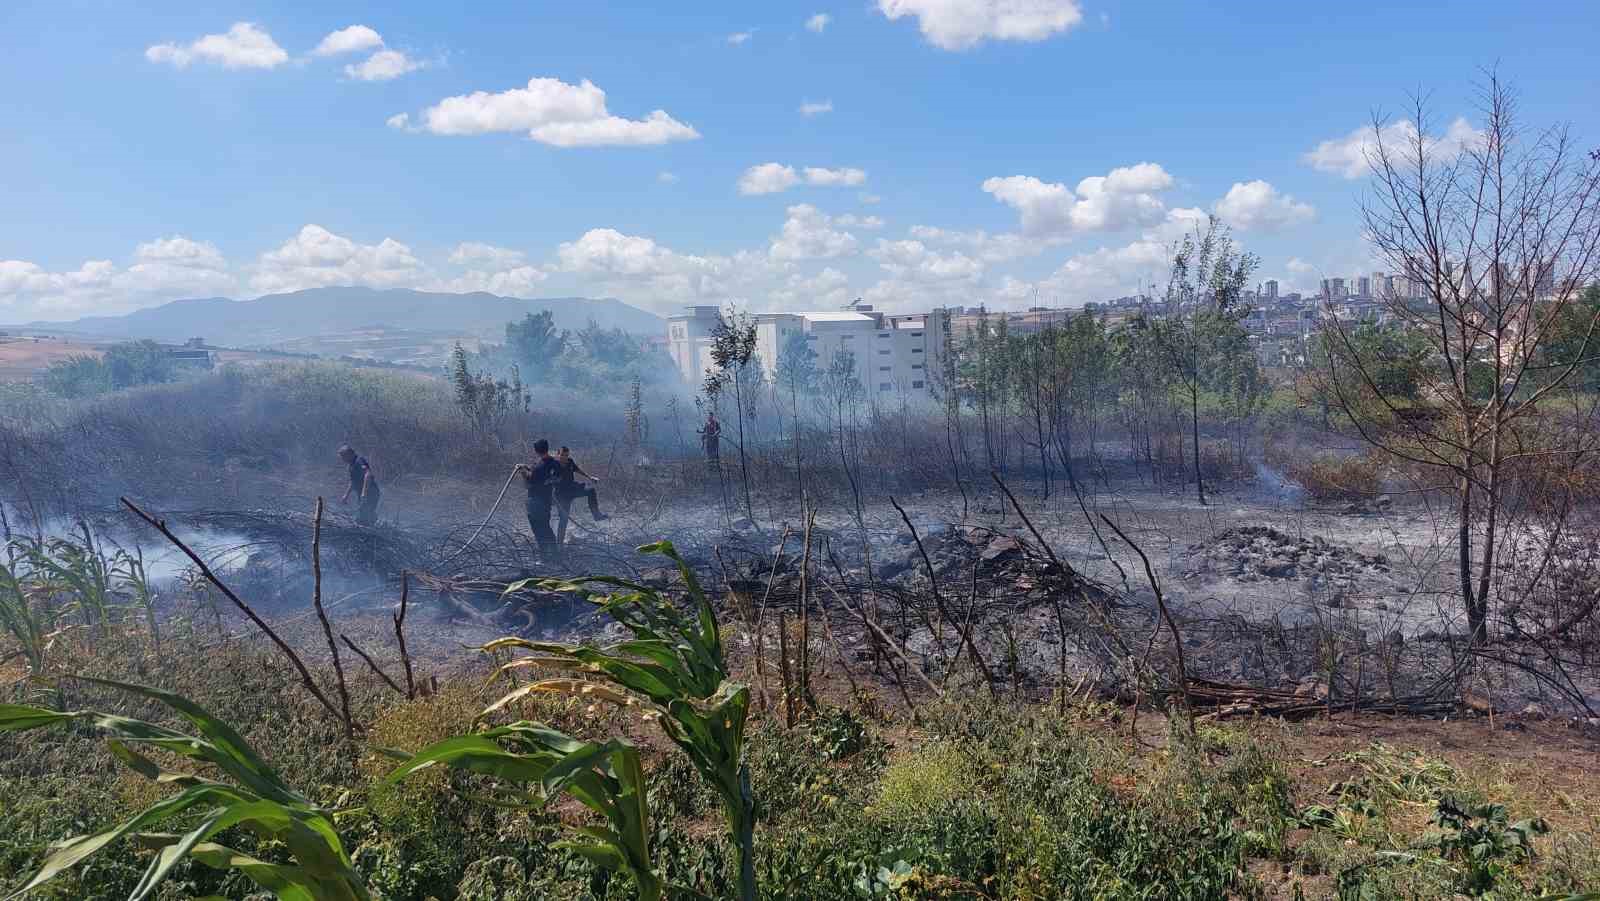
[891,353]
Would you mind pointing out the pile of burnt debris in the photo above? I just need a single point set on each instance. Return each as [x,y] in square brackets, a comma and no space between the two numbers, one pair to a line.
[1257,553]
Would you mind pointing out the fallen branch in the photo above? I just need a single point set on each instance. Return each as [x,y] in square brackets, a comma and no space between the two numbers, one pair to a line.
[160,525]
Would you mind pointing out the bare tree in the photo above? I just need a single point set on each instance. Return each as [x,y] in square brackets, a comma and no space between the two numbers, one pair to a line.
[1492,237]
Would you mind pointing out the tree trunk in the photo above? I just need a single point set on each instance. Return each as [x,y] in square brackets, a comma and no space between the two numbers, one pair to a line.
[1194,411]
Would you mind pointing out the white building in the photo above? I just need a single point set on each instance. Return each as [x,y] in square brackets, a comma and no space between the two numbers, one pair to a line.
[891,353]
[689,341]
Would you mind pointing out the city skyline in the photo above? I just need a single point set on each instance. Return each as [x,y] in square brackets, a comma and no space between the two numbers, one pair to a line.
[913,153]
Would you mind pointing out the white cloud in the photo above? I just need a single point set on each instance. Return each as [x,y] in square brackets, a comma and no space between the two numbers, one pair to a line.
[1123,198]
[829,178]
[818,23]
[400,121]
[912,261]
[739,37]
[989,248]
[1297,266]
[383,66]
[476,253]
[767,178]
[815,108]
[870,199]
[1258,206]
[1348,156]
[667,178]
[496,270]
[1099,274]
[181,251]
[851,220]
[244,46]
[163,270]
[348,40]
[552,112]
[650,274]
[772,178]
[522,281]
[809,234]
[827,289]
[961,24]
[316,257]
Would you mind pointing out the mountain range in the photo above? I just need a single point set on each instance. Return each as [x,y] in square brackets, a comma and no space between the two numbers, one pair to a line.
[279,318]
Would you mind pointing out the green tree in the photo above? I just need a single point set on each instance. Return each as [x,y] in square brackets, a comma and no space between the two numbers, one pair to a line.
[126,365]
[796,373]
[1200,322]
[733,348]
[535,344]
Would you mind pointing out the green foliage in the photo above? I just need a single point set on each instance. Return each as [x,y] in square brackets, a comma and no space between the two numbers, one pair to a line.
[675,664]
[934,775]
[636,425]
[46,584]
[256,799]
[122,366]
[606,777]
[534,342]
[837,733]
[484,400]
[1574,340]
[797,365]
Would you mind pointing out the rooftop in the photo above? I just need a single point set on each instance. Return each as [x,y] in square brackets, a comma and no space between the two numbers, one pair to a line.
[837,317]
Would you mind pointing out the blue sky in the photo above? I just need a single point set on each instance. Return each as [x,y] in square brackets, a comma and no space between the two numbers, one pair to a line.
[659,153]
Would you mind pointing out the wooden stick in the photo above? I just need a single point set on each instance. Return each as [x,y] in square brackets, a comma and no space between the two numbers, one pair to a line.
[805,616]
[160,525]
[364,656]
[400,633]
[938,600]
[783,663]
[889,642]
[761,620]
[327,628]
[1166,616]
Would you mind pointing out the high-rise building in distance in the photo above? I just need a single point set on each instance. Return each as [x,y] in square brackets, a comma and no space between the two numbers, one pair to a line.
[1271,287]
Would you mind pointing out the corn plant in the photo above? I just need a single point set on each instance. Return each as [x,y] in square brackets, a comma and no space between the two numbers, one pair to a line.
[607,777]
[257,800]
[28,626]
[131,579]
[674,664]
[75,570]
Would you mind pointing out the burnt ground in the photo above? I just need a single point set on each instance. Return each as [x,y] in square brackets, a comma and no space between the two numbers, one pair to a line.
[1266,589]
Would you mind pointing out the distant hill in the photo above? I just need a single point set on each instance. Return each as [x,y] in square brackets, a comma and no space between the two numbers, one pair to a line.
[278,318]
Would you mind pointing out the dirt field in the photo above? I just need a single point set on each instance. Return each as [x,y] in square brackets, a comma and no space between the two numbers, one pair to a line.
[24,358]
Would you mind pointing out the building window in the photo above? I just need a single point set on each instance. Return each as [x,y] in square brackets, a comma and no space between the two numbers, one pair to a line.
[916,350]
[916,365]
[884,352]
[916,384]
[811,337]
[847,337]
[884,368]
[884,386]
[916,334]
[883,334]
